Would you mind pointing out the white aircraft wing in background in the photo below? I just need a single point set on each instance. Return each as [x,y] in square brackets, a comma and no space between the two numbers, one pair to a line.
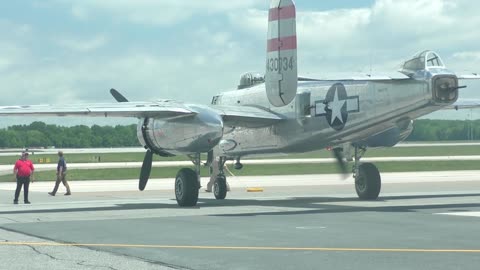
[380,77]
[471,76]
[462,104]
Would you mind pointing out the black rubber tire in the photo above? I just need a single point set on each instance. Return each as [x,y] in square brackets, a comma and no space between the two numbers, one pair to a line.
[186,187]
[368,182]
[220,187]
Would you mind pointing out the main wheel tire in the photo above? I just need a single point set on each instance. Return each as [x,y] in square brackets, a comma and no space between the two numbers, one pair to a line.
[220,187]
[186,187]
[368,182]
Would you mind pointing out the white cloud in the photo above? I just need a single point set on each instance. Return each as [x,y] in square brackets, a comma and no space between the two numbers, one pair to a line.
[11,29]
[419,17]
[464,62]
[4,63]
[156,12]
[251,21]
[10,55]
[470,55]
[14,43]
[141,76]
[80,12]
[355,39]
[331,29]
[82,45]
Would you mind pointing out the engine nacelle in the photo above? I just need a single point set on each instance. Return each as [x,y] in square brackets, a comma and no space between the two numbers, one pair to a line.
[197,133]
[391,136]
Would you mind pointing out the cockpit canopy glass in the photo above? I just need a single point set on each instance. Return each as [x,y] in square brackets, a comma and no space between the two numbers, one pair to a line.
[423,61]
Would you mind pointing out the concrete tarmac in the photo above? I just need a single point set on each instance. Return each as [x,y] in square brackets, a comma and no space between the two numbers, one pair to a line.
[421,221]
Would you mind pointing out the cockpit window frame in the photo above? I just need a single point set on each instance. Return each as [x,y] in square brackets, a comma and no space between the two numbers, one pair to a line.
[433,59]
[423,61]
[215,100]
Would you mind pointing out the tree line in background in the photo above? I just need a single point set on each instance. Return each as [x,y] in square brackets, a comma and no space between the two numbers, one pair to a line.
[445,130]
[39,134]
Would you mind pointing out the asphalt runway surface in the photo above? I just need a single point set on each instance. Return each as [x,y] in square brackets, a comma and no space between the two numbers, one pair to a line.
[428,220]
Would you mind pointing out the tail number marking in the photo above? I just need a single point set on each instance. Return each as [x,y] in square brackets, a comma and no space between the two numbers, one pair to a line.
[280,63]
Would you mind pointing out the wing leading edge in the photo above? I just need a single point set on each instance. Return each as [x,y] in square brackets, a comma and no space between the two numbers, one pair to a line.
[124,109]
[247,116]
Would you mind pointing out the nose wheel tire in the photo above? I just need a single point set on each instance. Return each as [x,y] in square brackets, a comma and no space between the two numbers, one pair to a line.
[220,188]
[186,187]
[367,182]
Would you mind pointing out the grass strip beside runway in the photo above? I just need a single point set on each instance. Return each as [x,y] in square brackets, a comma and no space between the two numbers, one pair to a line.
[380,152]
[290,169]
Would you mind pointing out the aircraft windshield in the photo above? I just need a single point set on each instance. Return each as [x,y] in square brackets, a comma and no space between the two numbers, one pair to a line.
[423,60]
[433,60]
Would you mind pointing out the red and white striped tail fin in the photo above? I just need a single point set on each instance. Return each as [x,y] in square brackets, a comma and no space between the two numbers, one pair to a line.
[281,68]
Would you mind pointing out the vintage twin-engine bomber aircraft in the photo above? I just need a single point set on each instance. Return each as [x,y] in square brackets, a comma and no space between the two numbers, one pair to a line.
[281,113]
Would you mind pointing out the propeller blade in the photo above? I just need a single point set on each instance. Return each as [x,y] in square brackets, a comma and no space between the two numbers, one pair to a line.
[145,171]
[342,164]
[117,96]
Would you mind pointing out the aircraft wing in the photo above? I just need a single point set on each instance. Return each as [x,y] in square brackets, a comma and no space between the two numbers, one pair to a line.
[464,104]
[471,76]
[247,116]
[126,109]
[382,77]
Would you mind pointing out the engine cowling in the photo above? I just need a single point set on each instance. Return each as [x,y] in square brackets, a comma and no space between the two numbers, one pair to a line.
[391,137]
[190,134]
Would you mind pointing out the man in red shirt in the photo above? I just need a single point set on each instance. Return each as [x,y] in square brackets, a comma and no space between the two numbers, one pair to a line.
[23,170]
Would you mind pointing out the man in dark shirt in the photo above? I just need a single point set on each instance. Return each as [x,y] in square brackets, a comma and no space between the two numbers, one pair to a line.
[23,170]
[61,173]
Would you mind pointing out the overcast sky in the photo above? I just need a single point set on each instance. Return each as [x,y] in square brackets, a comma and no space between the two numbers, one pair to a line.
[59,51]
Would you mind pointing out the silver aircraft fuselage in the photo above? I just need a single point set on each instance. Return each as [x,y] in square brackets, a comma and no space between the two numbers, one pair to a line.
[367,108]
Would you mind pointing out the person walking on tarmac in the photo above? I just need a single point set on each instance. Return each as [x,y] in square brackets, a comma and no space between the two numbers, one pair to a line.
[61,173]
[23,171]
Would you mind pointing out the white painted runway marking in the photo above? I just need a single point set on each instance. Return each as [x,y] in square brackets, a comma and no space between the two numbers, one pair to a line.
[310,227]
[464,214]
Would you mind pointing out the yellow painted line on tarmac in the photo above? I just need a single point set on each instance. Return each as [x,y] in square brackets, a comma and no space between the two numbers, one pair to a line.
[406,250]
[255,189]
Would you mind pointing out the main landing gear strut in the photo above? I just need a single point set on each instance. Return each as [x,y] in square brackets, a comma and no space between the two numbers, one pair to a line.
[220,185]
[367,177]
[187,182]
